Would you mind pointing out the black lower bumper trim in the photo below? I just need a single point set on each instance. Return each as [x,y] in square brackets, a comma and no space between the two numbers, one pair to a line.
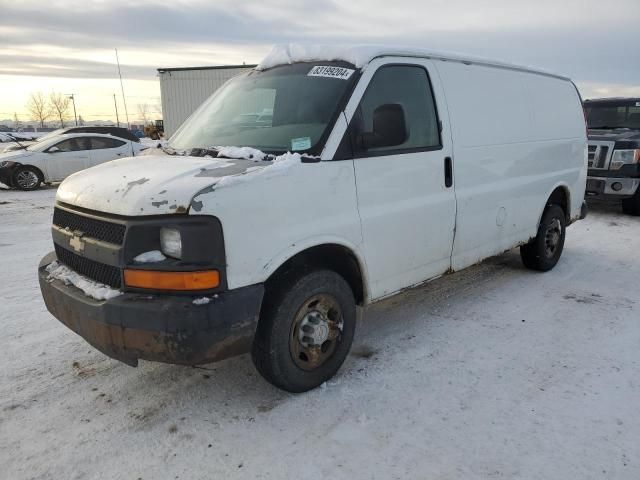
[163,328]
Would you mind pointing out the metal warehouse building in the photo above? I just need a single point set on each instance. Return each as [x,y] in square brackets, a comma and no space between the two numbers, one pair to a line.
[182,90]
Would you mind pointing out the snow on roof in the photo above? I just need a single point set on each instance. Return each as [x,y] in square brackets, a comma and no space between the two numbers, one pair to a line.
[361,55]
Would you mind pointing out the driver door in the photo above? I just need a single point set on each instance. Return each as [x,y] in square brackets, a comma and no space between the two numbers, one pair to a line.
[405,191]
[67,157]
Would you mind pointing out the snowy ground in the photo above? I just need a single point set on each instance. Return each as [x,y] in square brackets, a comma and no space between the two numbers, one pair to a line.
[494,372]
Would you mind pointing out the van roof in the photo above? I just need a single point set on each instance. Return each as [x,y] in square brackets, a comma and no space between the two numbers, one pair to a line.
[361,55]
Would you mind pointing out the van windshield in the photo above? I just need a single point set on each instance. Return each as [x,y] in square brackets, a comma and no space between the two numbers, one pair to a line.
[286,108]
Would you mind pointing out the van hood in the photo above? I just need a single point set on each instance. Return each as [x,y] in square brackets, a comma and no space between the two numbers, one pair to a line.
[149,185]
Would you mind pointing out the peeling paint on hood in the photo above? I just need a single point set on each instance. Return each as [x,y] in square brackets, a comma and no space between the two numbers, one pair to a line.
[149,185]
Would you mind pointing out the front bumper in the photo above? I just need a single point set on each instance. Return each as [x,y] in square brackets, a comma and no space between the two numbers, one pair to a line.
[6,175]
[612,187]
[163,328]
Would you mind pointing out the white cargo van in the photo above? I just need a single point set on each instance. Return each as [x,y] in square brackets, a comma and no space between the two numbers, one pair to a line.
[323,180]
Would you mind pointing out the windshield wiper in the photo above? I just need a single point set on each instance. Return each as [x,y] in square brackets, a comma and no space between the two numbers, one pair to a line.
[22,147]
[203,152]
[608,127]
[215,153]
[168,150]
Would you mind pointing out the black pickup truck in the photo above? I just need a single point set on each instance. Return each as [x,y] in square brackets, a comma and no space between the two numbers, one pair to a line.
[614,151]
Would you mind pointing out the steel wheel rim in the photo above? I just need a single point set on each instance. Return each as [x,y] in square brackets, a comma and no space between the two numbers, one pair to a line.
[552,236]
[27,179]
[316,332]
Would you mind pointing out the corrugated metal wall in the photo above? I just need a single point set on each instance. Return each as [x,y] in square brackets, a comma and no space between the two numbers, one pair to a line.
[182,91]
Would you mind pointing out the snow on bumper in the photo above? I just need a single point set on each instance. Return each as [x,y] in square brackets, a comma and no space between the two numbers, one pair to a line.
[163,328]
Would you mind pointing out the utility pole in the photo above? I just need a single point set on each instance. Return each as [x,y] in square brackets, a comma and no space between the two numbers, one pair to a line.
[116,105]
[73,100]
[126,113]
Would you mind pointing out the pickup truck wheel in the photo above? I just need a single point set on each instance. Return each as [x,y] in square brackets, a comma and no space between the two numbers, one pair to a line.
[26,178]
[305,330]
[631,206]
[543,252]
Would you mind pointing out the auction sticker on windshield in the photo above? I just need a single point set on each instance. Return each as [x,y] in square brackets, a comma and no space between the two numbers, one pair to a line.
[330,72]
[302,143]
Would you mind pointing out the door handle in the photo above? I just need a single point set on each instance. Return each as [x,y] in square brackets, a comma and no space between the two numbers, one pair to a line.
[448,172]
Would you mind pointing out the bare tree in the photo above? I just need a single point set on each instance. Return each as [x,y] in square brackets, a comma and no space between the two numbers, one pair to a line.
[60,106]
[143,112]
[39,107]
[17,124]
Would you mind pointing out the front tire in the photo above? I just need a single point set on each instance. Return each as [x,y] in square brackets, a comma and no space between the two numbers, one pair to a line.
[305,331]
[543,252]
[631,206]
[26,178]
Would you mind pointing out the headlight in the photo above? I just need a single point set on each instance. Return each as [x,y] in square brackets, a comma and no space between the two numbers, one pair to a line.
[6,163]
[624,157]
[171,242]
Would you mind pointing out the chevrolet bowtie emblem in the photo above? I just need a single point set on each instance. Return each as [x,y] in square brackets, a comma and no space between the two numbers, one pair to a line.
[76,243]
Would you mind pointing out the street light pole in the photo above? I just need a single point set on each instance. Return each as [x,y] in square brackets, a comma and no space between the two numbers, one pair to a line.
[73,100]
[124,100]
[116,105]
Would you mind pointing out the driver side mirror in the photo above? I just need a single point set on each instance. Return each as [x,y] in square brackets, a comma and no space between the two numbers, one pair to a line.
[389,128]
[53,150]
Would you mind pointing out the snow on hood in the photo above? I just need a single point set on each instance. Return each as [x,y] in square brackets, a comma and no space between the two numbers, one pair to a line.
[157,185]
[246,153]
[361,55]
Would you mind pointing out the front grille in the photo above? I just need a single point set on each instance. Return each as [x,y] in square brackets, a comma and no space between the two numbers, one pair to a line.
[90,227]
[599,154]
[89,268]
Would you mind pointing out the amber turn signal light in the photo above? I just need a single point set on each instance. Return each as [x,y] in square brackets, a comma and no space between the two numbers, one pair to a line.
[178,281]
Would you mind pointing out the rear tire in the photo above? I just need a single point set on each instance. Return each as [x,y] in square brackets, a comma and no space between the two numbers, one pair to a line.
[543,252]
[305,331]
[631,206]
[26,178]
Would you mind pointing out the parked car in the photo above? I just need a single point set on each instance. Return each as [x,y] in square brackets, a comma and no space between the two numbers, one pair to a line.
[114,131]
[54,159]
[406,165]
[614,151]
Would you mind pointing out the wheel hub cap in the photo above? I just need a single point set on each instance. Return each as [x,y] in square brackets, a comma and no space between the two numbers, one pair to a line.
[314,330]
[27,179]
[552,237]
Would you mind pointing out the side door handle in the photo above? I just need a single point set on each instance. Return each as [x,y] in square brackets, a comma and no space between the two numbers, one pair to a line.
[448,172]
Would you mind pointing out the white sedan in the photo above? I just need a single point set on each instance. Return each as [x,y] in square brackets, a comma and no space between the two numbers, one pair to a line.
[55,159]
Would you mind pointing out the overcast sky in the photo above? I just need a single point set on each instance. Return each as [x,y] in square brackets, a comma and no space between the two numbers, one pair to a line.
[67,46]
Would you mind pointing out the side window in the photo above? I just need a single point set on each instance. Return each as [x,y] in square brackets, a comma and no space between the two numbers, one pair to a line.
[99,143]
[633,119]
[410,88]
[74,145]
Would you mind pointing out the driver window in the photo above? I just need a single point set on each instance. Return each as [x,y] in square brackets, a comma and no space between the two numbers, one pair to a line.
[73,145]
[409,87]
